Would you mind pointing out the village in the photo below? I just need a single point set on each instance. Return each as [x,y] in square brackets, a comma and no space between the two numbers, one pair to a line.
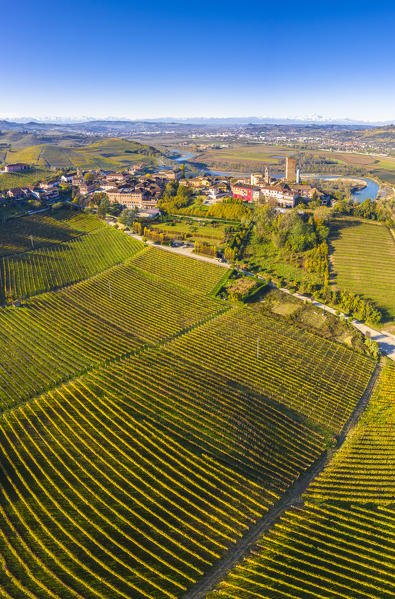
[138,189]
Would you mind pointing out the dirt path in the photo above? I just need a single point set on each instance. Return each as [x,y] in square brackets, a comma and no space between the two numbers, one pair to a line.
[292,497]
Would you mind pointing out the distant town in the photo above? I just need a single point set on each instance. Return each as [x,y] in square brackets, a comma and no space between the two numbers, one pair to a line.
[137,189]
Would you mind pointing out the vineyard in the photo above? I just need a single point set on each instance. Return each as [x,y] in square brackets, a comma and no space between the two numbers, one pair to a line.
[190,273]
[320,552]
[341,543]
[364,470]
[317,378]
[55,336]
[37,230]
[364,262]
[37,271]
[98,503]
[146,427]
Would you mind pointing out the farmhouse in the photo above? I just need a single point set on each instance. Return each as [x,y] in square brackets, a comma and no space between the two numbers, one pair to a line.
[18,194]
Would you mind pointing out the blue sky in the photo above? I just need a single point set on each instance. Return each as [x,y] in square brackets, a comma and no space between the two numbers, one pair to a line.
[220,58]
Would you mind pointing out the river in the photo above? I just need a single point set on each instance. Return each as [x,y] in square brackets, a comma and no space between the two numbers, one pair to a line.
[370,191]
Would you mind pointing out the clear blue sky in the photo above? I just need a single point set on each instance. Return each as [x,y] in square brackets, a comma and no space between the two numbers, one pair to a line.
[204,58]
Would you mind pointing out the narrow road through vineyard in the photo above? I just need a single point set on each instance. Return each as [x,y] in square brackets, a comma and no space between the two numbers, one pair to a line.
[292,497]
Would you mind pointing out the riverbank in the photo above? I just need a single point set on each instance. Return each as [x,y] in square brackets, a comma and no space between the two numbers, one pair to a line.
[366,187]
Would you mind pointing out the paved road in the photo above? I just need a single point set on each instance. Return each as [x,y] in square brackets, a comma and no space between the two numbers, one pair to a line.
[386,341]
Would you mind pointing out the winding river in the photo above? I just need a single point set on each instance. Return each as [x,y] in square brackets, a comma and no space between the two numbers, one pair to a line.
[370,191]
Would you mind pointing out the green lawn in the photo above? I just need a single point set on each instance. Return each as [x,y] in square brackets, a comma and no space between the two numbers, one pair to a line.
[363,261]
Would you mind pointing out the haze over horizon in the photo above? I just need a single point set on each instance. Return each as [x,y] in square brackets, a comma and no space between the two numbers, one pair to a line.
[214,60]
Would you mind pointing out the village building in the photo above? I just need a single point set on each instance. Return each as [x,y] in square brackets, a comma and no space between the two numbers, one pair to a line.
[68,177]
[281,193]
[246,192]
[16,167]
[51,194]
[133,198]
[171,175]
[83,187]
[18,194]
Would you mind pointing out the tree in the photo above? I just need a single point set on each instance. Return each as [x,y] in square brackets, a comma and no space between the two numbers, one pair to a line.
[104,207]
[115,209]
[89,178]
[128,216]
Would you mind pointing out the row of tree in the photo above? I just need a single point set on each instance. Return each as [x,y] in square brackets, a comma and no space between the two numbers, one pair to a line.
[371,209]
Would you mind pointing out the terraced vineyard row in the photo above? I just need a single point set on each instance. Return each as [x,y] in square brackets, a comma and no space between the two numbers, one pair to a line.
[45,229]
[320,379]
[57,335]
[320,552]
[99,502]
[235,425]
[341,543]
[35,272]
[188,272]
[364,469]
[364,261]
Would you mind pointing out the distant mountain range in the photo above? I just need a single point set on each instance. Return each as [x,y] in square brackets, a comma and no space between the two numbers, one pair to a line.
[94,125]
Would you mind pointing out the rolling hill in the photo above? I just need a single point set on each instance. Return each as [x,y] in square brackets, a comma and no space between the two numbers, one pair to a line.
[111,153]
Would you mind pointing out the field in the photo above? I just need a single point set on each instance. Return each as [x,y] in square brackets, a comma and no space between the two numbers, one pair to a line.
[190,273]
[364,469]
[10,180]
[340,543]
[320,552]
[146,426]
[48,268]
[87,324]
[363,261]
[214,235]
[297,369]
[110,153]
[18,234]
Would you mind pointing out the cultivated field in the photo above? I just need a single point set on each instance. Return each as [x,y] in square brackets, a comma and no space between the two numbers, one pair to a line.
[110,153]
[190,273]
[196,231]
[312,376]
[48,268]
[146,427]
[56,336]
[364,261]
[340,543]
[43,229]
[363,470]
[320,552]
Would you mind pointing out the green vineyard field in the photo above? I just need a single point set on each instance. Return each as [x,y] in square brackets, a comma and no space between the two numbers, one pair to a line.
[341,543]
[312,376]
[146,426]
[320,552]
[34,272]
[364,469]
[192,274]
[364,262]
[55,336]
[44,229]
